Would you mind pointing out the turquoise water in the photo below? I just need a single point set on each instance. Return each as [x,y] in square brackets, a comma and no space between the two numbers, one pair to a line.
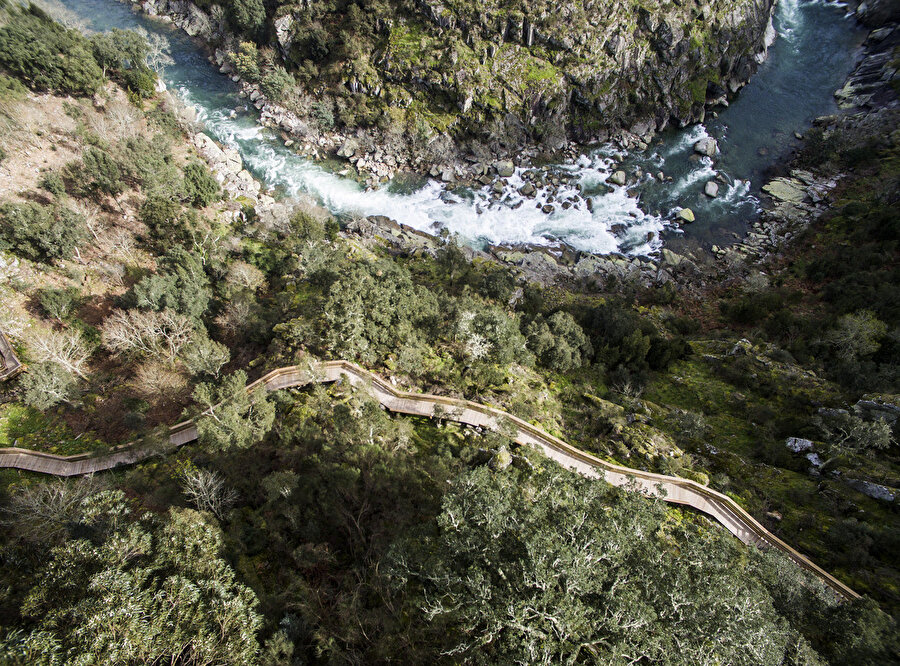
[808,61]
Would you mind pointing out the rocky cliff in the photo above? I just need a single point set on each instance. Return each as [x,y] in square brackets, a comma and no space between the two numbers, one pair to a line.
[425,80]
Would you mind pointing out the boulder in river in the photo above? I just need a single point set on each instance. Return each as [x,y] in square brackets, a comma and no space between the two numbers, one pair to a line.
[618,178]
[685,215]
[505,169]
[712,189]
[707,146]
[527,190]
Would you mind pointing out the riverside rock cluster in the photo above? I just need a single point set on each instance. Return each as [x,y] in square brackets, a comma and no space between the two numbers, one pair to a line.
[456,83]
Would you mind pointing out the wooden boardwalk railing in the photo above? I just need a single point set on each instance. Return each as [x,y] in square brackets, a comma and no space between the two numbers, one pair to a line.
[670,488]
[9,362]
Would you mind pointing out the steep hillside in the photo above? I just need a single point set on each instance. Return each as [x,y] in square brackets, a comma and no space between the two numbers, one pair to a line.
[493,77]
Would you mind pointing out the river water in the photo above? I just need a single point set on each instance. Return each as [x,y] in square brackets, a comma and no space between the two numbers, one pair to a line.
[808,61]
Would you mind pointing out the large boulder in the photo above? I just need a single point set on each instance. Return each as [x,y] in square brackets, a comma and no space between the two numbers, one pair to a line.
[707,146]
[786,189]
[617,178]
[284,32]
[505,169]
[685,215]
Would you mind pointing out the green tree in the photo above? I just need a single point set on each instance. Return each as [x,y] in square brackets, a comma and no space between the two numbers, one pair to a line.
[148,163]
[46,385]
[233,418]
[40,233]
[373,309]
[205,357]
[856,335]
[98,173]
[488,334]
[277,83]
[119,50]
[47,56]
[52,182]
[59,303]
[199,186]
[181,284]
[546,567]
[845,433]
[558,342]
[136,589]
[248,15]
[246,61]
[161,212]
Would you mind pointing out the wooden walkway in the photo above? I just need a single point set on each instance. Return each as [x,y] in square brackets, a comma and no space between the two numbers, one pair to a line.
[672,489]
[9,362]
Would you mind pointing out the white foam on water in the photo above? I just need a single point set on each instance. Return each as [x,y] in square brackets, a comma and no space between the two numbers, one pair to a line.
[475,214]
[705,171]
[689,138]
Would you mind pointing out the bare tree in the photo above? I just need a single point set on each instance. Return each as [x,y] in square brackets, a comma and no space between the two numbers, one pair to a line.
[101,126]
[114,273]
[158,50]
[154,380]
[236,316]
[91,214]
[207,491]
[43,511]
[123,120]
[242,275]
[120,244]
[66,348]
[159,335]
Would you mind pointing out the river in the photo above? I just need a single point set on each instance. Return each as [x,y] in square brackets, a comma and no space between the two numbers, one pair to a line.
[808,61]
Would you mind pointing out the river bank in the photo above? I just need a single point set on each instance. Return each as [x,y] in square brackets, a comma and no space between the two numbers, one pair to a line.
[792,202]
[574,204]
[728,54]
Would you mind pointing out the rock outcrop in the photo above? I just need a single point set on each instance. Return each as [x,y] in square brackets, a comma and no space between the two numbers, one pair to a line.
[458,79]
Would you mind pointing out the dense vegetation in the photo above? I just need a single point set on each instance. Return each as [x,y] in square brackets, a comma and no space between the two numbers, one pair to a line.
[312,527]
[494,76]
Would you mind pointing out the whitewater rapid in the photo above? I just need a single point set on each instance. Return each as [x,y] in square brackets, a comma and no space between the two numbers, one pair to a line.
[793,86]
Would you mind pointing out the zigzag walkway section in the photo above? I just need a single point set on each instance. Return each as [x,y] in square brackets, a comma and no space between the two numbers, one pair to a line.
[669,488]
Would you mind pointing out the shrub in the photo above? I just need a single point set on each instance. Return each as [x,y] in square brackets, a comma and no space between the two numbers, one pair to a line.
[59,303]
[277,83]
[752,308]
[141,81]
[40,233]
[47,56]
[323,115]
[52,182]
[98,173]
[199,186]
[11,89]
[309,225]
